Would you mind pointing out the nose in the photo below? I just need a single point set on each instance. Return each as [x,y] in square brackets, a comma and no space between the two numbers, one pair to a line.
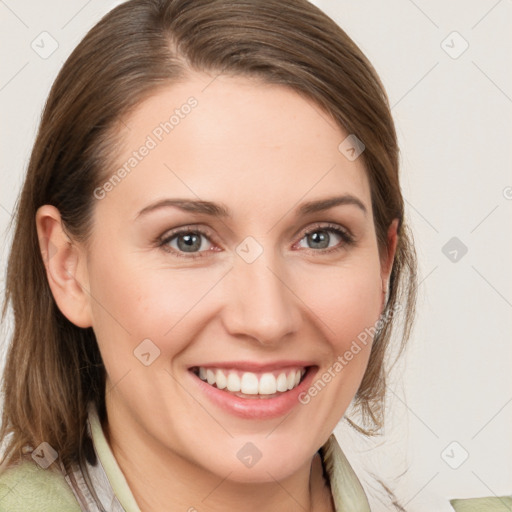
[260,303]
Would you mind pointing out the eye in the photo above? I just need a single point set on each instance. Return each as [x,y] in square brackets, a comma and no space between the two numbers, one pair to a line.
[321,236]
[186,242]
[191,242]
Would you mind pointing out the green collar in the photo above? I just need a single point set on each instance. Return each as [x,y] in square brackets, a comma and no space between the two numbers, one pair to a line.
[347,492]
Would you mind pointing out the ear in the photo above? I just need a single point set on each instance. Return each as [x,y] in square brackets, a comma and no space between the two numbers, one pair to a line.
[65,267]
[388,259]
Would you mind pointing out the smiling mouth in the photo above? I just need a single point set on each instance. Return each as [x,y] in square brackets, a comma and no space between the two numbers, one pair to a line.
[251,385]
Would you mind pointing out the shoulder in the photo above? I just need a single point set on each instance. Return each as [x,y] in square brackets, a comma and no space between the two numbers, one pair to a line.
[347,491]
[488,504]
[26,486]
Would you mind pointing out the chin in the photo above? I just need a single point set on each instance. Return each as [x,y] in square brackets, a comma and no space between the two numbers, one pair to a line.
[257,459]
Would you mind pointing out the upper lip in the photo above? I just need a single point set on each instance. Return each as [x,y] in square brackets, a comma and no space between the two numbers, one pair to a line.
[251,366]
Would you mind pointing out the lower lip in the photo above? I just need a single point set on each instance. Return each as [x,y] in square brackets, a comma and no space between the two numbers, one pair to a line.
[256,408]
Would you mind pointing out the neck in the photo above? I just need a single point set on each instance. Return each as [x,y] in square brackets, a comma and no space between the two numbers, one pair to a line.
[163,480]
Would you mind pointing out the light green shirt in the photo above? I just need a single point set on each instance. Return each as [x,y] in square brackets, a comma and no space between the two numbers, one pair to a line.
[28,487]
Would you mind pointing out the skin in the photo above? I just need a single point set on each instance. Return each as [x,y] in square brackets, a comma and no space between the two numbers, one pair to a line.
[262,150]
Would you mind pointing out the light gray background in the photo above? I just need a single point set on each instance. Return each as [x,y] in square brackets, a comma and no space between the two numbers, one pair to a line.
[451,396]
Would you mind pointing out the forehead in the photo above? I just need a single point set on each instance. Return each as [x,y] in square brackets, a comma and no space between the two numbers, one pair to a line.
[256,146]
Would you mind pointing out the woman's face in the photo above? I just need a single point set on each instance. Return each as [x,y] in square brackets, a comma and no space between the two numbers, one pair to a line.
[247,284]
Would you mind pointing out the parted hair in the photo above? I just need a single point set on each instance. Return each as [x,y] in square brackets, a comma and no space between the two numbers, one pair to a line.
[54,368]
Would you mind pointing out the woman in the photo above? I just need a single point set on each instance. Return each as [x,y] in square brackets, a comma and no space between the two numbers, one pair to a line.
[209,253]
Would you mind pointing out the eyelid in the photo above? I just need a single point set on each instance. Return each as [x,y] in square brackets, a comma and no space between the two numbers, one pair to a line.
[343,232]
[164,239]
[348,239]
[318,226]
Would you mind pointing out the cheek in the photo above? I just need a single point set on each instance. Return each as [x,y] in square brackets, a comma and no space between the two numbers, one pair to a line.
[132,303]
[346,304]
[148,301]
[349,308]
[348,301]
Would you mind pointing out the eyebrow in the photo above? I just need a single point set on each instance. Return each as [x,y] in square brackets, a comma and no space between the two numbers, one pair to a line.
[222,211]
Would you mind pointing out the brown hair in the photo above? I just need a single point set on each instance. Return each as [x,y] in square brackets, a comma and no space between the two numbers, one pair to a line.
[53,367]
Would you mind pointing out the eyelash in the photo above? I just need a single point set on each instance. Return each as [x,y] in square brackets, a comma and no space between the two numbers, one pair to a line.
[162,242]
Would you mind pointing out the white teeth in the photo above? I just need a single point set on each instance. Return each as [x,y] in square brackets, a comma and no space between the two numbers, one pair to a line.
[291,380]
[252,383]
[210,377]
[282,384]
[249,384]
[220,379]
[267,385]
[233,382]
